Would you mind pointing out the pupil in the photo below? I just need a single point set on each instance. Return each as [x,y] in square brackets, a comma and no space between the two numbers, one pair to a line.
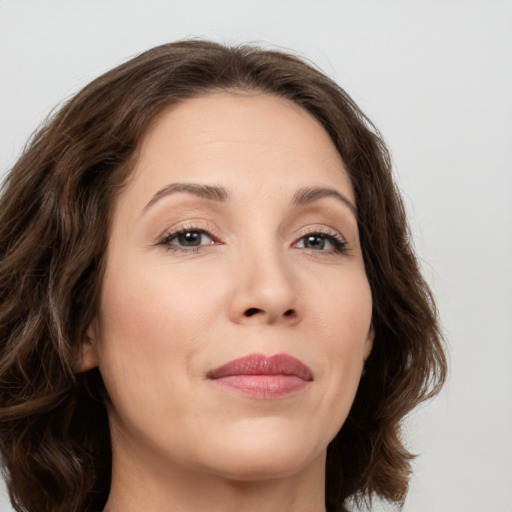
[315,242]
[191,238]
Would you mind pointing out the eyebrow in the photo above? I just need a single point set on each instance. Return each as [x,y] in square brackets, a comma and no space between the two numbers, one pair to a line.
[212,192]
[302,197]
[309,195]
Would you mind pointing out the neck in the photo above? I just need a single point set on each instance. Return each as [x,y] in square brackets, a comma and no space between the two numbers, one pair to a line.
[138,484]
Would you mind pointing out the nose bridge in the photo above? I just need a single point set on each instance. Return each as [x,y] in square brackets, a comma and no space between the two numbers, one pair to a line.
[265,287]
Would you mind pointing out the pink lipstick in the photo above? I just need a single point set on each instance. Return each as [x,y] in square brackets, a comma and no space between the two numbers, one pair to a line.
[261,376]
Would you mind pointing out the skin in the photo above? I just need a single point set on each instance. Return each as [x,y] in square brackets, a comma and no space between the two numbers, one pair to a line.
[255,284]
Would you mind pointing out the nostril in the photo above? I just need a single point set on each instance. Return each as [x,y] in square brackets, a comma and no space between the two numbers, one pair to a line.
[255,311]
[252,311]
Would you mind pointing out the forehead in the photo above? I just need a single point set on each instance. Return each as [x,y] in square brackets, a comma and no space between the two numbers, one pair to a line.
[238,139]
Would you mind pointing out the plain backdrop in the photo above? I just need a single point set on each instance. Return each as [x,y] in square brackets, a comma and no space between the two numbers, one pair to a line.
[436,78]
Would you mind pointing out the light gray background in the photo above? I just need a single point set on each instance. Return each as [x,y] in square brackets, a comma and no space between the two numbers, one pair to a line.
[436,77]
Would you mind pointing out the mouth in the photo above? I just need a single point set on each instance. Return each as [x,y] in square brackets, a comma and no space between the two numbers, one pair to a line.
[261,376]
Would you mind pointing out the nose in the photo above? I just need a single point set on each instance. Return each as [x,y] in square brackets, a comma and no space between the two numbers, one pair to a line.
[265,290]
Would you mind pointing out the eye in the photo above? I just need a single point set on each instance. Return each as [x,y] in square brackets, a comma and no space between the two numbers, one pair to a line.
[322,242]
[187,239]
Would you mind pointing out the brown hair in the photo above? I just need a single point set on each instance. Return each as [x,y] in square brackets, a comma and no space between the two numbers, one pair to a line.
[54,223]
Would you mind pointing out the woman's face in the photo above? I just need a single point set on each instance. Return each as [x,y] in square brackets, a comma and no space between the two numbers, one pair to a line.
[235,241]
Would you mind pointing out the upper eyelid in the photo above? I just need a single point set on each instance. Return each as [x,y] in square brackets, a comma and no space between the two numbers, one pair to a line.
[324,230]
[316,220]
[178,232]
[339,242]
[335,238]
[180,228]
[170,235]
[207,227]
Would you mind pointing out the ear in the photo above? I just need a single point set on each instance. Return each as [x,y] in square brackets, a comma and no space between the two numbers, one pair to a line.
[368,343]
[88,355]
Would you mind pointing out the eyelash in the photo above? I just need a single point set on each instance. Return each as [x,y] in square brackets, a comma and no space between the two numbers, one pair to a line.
[339,244]
[168,237]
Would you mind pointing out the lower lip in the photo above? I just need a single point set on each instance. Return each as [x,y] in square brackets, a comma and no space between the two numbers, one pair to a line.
[262,386]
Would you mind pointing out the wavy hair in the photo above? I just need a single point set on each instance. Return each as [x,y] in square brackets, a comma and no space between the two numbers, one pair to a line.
[55,212]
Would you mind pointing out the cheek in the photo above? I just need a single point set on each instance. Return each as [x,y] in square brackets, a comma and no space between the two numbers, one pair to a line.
[149,334]
[342,323]
[155,299]
[152,323]
[342,309]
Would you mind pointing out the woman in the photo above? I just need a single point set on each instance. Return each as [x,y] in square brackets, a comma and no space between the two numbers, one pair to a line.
[209,299]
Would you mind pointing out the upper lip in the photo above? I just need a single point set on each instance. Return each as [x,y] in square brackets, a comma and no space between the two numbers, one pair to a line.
[260,364]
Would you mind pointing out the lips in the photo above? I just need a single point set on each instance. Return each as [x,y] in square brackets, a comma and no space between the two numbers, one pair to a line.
[261,376]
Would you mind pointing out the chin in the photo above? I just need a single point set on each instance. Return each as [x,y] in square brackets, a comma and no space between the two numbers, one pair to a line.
[260,468]
[266,453]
